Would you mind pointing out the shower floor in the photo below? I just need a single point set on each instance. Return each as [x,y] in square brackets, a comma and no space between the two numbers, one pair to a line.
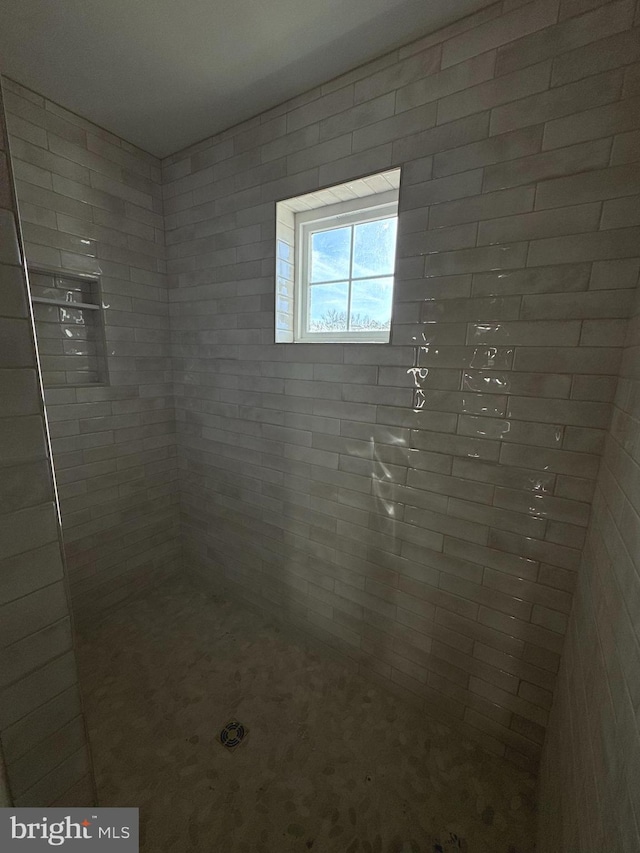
[332,762]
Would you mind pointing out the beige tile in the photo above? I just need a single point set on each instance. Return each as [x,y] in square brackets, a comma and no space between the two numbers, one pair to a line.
[594,122]
[41,724]
[319,108]
[543,505]
[601,246]
[421,599]
[481,207]
[543,658]
[526,525]
[566,534]
[455,134]
[21,439]
[564,278]
[593,186]
[603,333]
[566,306]
[604,54]
[620,213]
[476,260]
[30,692]
[16,345]
[537,167]
[535,16]
[316,155]
[519,746]
[439,85]
[610,275]
[14,302]
[631,86]
[34,651]
[568,220]
[507,562]
[547,459]
[357,117]
[517,704]
[551,619]
[33,613]
[36,764]
[468,310]
[564,37]
[20,393]
[27,572]
[480,633]
[32,174]
[494,92]
[419,196]
[395,127]
[464,529]
[56,783]
[521,384]
[580,360]
[552,333]
[560,411]
[25,153]
[556,103]
[463,25]
[23,129]
[473,667]
[570,8]
[625,148]
[540,435]
[535,695]
[521,630]
[24,485]
[9,250]
[497,149]
[533,674]
[436,240]
[364,163]
[398,75]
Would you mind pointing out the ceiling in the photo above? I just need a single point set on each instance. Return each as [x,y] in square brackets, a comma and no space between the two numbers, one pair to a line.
[163,74]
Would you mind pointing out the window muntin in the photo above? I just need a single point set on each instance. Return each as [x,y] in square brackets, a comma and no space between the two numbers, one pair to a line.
[345,271]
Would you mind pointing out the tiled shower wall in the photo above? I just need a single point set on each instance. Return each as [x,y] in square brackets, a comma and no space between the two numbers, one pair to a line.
[91,203]
[43,752]
[590,781]
[421,506]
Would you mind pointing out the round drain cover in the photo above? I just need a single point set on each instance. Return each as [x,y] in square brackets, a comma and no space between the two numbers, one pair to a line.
[232,734]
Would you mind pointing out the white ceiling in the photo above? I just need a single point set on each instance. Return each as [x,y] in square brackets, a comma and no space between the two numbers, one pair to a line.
[163,74]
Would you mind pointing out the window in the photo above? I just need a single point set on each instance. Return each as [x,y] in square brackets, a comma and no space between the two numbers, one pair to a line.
[68,318]
[335,262]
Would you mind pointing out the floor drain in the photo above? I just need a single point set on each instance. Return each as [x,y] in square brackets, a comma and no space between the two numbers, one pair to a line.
[233,734]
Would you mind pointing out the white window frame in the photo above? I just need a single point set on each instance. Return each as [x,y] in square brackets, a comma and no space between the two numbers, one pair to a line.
[351,212]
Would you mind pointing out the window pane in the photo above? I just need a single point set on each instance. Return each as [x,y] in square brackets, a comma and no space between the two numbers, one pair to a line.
[328,305]
[374,249]
[371,304]
[330,254]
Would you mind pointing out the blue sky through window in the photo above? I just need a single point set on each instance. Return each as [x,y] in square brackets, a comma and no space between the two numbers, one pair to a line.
[328,306]
[330,254]
[351,277]
[371,298]
[374,248]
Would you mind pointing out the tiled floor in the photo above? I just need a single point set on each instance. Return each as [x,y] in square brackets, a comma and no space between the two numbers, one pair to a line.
[331,763]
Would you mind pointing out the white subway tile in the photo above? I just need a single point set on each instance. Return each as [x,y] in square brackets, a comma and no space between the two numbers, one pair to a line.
[534,16]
